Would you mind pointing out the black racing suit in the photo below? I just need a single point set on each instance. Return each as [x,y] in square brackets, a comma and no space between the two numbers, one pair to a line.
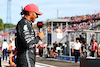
[25,43]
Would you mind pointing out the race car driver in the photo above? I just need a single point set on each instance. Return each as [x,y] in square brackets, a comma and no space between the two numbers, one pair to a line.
[25,37]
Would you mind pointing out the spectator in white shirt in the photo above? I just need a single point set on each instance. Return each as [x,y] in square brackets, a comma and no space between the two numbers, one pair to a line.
[4,49]
[76,49]
[58,30]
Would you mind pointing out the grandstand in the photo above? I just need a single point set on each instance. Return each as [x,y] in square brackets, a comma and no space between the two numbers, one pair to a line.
[83,22]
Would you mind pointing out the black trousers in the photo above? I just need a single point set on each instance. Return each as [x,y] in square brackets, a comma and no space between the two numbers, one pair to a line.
[41,52]
[4,54]
[77,54]
[26,59]
[92,53]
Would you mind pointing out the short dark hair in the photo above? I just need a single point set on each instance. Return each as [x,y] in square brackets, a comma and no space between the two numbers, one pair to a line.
[80,35]
[77,39]
[5,40]
[52,48]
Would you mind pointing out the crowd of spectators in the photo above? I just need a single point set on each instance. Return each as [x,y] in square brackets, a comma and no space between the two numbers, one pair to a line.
[82,18]
[81,22]
[77,23]
[82,25]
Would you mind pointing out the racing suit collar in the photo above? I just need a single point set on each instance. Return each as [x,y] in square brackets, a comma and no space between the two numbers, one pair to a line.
[30,22]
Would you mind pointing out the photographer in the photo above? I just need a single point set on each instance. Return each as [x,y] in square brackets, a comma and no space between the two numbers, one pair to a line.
[12,59]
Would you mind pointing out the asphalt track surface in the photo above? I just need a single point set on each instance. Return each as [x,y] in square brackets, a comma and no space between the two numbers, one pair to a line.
[57,63]
[48,62]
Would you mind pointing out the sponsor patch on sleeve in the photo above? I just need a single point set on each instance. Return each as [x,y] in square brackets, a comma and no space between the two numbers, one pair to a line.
[25,27]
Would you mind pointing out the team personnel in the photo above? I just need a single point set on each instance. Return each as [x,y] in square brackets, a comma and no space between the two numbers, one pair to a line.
[4,49]
[98,51]
[26,39]
[94,46]
[76,49]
